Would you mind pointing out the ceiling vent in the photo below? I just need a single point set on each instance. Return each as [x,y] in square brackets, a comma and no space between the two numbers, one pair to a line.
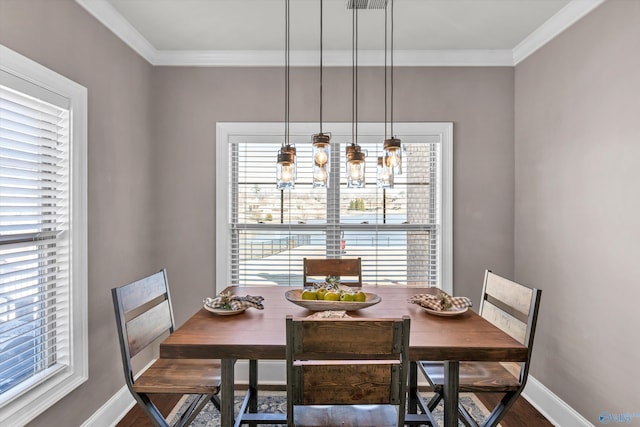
[367,4]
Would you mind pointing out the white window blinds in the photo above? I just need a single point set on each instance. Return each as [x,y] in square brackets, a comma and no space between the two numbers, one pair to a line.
[398,232]
[34,238]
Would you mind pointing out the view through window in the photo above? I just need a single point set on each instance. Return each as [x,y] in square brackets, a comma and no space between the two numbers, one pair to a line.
[400,233]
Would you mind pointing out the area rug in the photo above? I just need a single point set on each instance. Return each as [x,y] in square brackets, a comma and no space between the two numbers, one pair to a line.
[275,402]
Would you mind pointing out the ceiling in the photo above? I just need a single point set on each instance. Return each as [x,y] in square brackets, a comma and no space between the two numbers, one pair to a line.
[252,32]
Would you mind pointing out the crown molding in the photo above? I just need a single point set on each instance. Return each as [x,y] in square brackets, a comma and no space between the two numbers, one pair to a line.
[567,16]
[310,58]
[110,18]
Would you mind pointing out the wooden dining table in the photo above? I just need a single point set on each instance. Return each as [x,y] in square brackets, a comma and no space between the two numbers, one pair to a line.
[260,335]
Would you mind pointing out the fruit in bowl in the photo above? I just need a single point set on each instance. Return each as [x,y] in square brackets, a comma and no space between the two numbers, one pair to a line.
[309,294]
[320,293]
[347,296]
[360,296]
[332,296]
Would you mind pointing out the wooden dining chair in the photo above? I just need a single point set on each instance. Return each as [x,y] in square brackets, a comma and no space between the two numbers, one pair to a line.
[144,314]
[513,308]
[347,270]
[347,372]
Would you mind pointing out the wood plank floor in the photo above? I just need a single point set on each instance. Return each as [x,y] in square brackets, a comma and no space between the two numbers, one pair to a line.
[521,414]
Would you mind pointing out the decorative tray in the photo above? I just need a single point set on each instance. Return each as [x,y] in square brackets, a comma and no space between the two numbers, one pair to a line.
[295,296]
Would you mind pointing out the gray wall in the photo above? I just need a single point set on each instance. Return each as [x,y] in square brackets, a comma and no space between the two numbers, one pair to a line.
[577,211]
[65,38]
[152,155]
[189,101]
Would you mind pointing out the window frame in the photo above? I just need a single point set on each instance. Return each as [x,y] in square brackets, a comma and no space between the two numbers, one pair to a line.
[227,130]
[32,401]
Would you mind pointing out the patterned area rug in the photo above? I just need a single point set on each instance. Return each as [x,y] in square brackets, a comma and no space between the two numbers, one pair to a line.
[275,402]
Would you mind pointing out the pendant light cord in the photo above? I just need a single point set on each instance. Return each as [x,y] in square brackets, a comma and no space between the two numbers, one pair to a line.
[286,73]
[385,73]
[321,66]
[392,69]
[354,76]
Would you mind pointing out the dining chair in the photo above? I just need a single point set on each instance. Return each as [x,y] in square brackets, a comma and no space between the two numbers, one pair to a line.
[144,314]
[347,270]
[513,308]
[347,371]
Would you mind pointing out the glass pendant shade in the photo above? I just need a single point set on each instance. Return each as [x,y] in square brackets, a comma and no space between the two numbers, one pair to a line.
[384,174]
[355,166]
[321,164]
[286,168]
[393,155]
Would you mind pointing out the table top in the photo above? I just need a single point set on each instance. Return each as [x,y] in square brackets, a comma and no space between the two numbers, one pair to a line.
[260,334]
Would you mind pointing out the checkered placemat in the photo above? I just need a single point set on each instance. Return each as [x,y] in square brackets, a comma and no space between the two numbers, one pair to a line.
[235,302]
[440,302]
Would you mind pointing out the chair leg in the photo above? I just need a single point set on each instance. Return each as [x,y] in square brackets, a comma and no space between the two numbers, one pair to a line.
[437,397]
[193,410]
[465,416]
[501,408]
[151,409]
[216,401]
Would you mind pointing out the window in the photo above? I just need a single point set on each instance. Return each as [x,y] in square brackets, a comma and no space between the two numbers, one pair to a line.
[43,268]
[403,234]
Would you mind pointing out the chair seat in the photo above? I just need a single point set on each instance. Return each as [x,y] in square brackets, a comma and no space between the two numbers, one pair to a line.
[185,376]
[476,376]
[346,416]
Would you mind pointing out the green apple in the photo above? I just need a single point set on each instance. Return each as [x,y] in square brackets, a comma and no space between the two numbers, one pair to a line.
[331,296]
[308,294]
[360,296]
[346,296]
[320,293]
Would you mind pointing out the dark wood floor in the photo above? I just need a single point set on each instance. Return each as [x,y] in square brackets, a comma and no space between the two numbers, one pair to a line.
[522,414]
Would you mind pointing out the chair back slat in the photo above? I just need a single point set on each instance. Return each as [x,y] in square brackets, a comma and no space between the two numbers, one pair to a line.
[368,384]
[326,337]
[143,291]
[510,293]
[349,270]
[148,326]
[509,324]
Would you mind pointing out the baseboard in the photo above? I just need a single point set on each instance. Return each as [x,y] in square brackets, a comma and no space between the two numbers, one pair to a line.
[554,409]
[112,411]
[109,414]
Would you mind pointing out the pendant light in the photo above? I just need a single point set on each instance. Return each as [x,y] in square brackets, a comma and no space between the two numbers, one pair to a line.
[286,166]
[321,142]
[355,164]
[392,146]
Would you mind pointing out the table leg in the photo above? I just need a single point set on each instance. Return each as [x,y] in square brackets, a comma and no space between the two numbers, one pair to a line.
[226,401]
[450,391]
[253,388]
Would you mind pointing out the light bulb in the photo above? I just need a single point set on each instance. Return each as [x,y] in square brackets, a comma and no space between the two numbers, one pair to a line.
[287,173]
[320,158]
[355,171]
[393,160]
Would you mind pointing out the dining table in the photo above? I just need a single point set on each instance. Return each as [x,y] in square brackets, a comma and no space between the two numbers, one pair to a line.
[255,335]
